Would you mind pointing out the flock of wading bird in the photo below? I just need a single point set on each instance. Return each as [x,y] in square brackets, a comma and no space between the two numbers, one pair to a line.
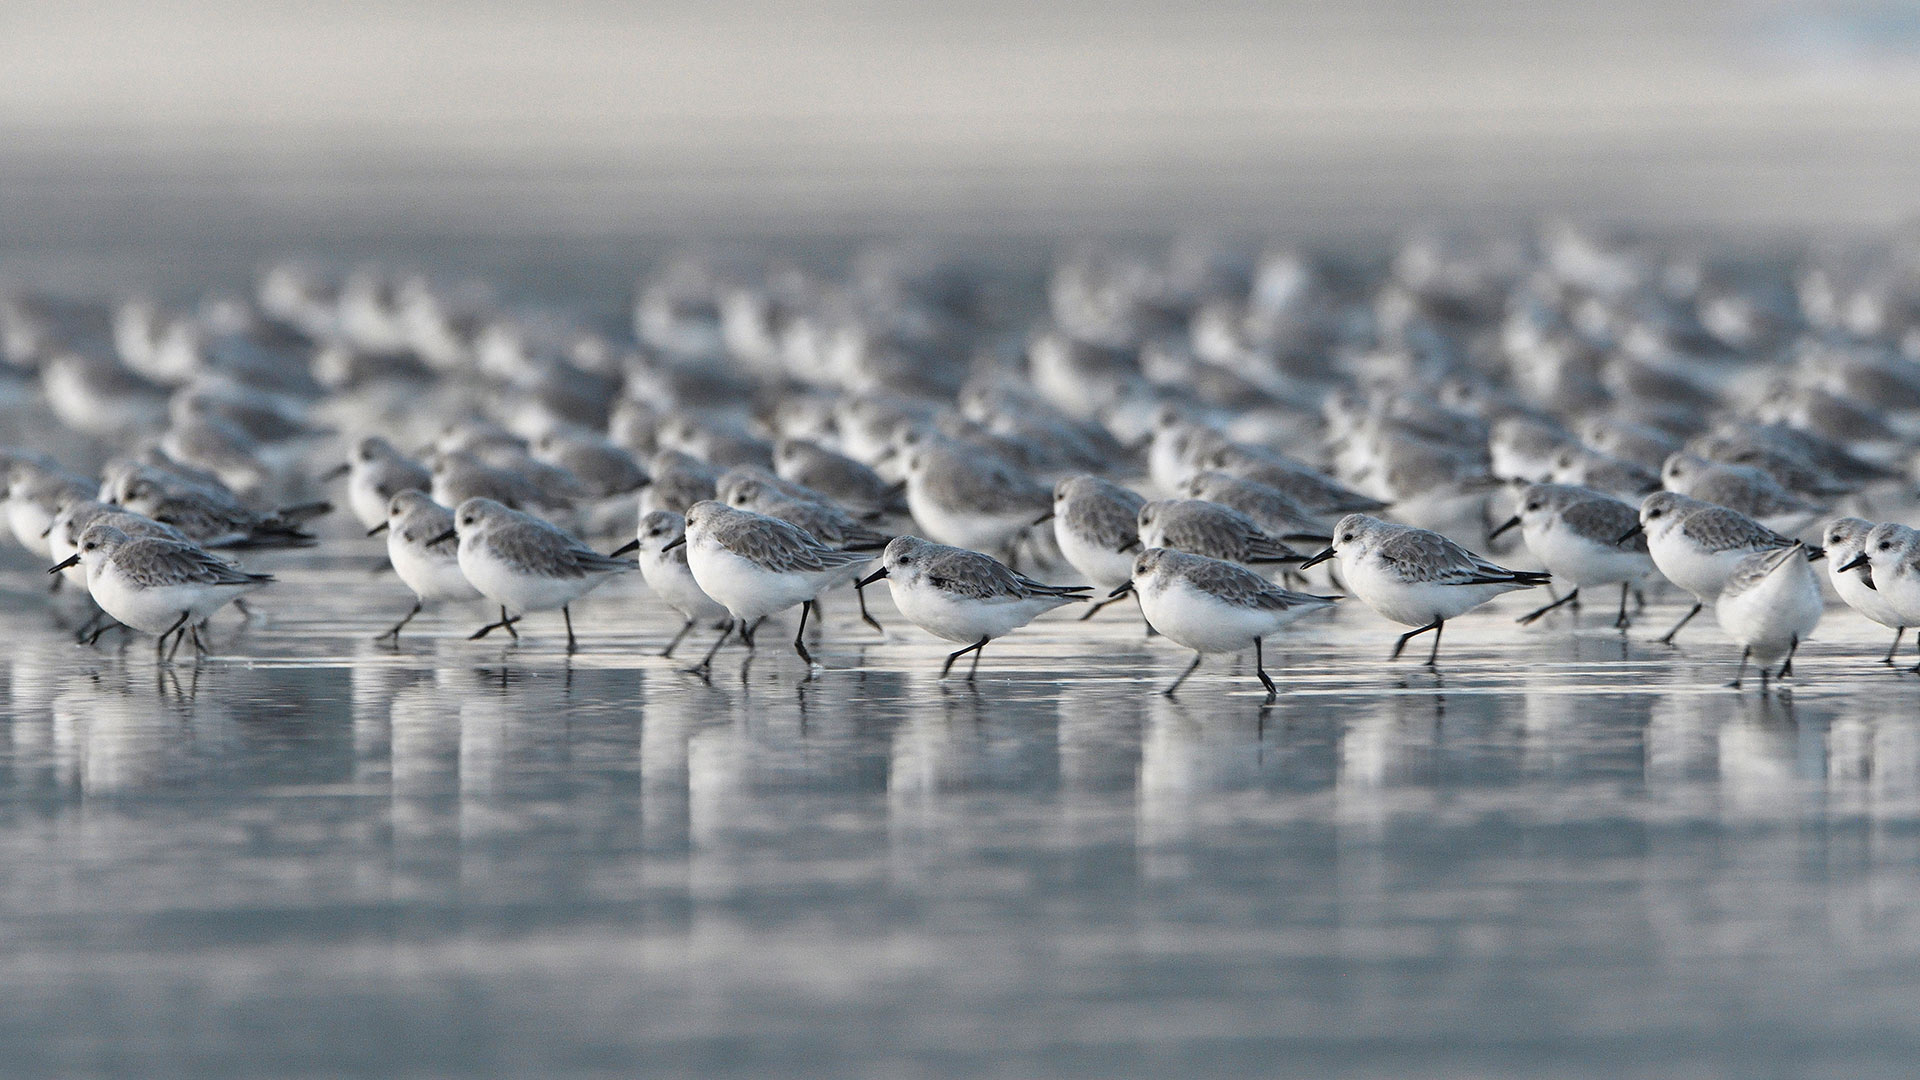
[1178,428]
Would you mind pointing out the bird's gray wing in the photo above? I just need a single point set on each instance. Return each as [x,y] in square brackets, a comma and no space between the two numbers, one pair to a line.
[534,548]
[995,488]
[1242,587]
[1752,570]
[1109,522]
[980,577]
[157,563]
[1605,521]
[1418,555]
[782,546]
[1222,532]
[1717,528]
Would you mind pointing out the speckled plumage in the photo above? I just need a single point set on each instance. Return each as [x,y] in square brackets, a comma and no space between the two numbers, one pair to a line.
[1206,528]
[770,543]
[1099,511]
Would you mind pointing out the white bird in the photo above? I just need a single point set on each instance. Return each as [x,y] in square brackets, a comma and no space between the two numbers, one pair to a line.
[1096,524]
[423,556]
[964,596]
[755,566]
[661,544]
[1851,572]
[1771,603]
[375,474]
[1416,577]
[1213,606]
[1697,545]
[524,564]
[967,497]
[161,586]
[1581,536]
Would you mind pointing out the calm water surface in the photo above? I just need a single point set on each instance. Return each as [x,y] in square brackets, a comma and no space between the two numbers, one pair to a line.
[1566,854]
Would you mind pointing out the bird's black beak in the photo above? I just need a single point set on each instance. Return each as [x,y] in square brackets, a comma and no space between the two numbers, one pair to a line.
[71,560]
[1316,560]
[378,529]
[1631,533]
[443,537]
[1121,591]
[1043,518]
[675,544]
[871,578]
[1854,563]
[631,545]
[1503,527]
[336,472]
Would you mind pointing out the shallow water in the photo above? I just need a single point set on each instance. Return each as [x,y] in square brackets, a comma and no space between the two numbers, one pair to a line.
[1566,853]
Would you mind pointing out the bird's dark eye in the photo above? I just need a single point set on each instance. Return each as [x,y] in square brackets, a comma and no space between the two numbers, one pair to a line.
[1886,545]
[1654,513]
[1346,538]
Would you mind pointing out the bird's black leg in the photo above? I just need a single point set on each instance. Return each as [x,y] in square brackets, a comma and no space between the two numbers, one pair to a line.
[975,666]
[179,635]
[746,632]
[1260,669]
[198,648]
[799,646]
[1621,621]
[706,662]
[568,616]
[1741,673]
[1786,669]
[1191,668]
[104,627]
[1898,633]
[948,666]
[677,638]
[505,623]
[160,645]
[1433,654]
[1529,617]
[1400,645]
[90,627]
[395,632]
[1684,620]
[860,591]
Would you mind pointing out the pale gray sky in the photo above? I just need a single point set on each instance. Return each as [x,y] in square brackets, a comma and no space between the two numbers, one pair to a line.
[978,111]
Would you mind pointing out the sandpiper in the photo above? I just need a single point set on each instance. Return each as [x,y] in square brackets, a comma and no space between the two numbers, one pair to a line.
[756,566]
[1214,606]
[524,564]
[424,557]
[964,596]
[1416,577]
[158,585]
